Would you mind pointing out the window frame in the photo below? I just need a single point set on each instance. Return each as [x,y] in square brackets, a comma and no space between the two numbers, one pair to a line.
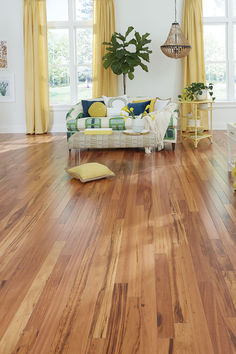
[229,20]
[71,25]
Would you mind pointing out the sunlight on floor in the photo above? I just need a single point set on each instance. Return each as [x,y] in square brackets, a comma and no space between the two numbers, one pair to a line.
[28,141]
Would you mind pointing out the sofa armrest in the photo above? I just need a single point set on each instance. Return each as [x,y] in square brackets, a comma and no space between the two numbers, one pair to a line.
[75,111]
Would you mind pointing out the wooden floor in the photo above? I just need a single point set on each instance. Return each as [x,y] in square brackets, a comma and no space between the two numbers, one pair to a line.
[142,263]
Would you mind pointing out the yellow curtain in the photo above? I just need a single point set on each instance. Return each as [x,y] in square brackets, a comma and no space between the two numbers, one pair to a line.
[105,82]
[194,63]
[36,67]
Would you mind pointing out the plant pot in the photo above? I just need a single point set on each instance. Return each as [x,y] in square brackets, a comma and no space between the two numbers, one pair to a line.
[203,96]
[138,125]
[203,106]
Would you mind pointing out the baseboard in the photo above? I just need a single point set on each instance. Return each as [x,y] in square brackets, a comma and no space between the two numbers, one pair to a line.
[12,130]
[59,128]
[219,126]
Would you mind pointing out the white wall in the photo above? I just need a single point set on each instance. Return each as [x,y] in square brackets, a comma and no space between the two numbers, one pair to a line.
[12,114]
[163,79]
[155,17]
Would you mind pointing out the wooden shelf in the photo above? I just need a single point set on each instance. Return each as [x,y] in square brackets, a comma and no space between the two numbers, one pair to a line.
[196,102]
[193,127]
[204,109]
[198,137]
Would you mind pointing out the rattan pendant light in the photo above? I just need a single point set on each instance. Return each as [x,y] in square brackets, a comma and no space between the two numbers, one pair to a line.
[176,45]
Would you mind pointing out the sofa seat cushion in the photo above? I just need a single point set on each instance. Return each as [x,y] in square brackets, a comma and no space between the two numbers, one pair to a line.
[116,123]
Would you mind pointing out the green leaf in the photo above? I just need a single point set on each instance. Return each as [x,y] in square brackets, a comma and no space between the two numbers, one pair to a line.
[120,53]
[114,42]
[110,49]
[138,37]
[144,56]
[132,41]
[125,68]
[133,61]
[146,41]
[107,62]
[145,36]
[116,68]
[131,76]
[146,49]
[129,30]
[144,67]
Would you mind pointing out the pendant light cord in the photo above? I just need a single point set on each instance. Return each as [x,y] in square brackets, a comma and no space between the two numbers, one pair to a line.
[175,12]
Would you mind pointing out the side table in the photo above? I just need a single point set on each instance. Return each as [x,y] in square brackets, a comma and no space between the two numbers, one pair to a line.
[195,133]
[231,140]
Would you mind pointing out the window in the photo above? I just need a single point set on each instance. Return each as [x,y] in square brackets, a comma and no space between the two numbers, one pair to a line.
[70,36]
[220,46]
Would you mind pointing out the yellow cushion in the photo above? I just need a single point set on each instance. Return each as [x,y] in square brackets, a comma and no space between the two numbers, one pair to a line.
[90,172]
[98,131]
[152,103]
[97,109]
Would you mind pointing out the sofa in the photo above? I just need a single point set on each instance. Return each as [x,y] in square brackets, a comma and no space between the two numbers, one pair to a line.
[77,123]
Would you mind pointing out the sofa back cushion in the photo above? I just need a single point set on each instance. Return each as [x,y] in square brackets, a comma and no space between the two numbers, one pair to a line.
[115,105]
[139,107]
[161,103]
[87,104]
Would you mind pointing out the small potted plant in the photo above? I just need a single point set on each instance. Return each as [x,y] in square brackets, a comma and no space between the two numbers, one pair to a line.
[138,121]
[197,91]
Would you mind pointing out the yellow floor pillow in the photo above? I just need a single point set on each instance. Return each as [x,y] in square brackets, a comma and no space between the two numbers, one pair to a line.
[90,172]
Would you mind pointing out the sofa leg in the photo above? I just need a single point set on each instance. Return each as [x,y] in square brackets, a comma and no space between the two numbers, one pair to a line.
[148,150]
[173,147]
[79,156]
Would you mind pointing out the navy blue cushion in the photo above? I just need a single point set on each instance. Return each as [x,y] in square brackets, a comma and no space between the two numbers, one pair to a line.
[86,105]
[139,107]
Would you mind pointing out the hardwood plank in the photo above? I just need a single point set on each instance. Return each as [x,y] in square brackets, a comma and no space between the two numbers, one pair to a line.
[116,323]
[86,268]
[202,340]
[148,303]
[183,342]
[132,330]
[211,310]
[19,321]
[104,299]
[165,327]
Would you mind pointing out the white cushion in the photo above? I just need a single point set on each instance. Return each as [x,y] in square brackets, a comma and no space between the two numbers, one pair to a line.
[161,104]
[115,105]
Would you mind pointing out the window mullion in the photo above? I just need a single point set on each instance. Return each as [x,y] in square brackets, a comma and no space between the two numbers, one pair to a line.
[73,83]
[230,62]
[230,51]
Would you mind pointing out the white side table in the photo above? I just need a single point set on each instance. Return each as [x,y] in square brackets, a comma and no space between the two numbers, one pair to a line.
[231,138]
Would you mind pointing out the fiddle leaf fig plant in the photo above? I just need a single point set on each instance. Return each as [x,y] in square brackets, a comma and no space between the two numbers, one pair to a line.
[125,52]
